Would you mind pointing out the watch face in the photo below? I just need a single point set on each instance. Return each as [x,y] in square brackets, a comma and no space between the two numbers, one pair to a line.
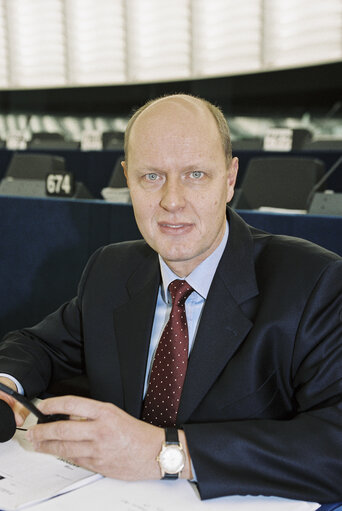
[172,459]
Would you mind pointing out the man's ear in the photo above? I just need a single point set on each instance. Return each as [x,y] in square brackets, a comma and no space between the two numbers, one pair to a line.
[124,166]
[232,175]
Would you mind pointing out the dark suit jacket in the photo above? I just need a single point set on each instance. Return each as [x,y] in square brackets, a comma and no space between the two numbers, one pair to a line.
[261,405]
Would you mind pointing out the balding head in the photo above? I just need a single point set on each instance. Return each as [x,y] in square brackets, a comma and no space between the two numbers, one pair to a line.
[178,106]
[179,179]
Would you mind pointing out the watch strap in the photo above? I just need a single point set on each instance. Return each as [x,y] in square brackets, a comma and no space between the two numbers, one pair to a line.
[171,438]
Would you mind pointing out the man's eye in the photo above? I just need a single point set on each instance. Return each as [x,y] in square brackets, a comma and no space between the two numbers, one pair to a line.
[151,177]
[197,174]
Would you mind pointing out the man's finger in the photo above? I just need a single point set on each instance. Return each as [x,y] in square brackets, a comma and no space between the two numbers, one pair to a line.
[66,450]
[72,430]
[73,406]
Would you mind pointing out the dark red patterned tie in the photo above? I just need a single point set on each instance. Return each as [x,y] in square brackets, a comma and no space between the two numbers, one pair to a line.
[170,363]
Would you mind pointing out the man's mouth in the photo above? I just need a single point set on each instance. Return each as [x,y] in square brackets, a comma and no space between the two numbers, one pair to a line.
[169,227]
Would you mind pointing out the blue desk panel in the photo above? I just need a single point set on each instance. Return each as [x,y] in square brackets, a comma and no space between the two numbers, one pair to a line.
[331,507]
[321,229]
[45,244]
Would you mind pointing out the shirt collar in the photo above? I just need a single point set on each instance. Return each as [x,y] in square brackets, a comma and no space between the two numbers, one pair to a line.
[201,277]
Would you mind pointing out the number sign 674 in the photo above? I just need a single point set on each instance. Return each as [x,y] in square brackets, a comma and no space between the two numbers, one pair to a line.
[60,184]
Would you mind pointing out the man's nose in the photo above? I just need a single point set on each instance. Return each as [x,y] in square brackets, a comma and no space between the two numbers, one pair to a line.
[173,196]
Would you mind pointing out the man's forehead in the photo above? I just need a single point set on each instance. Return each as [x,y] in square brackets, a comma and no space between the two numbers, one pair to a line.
[176,109]
[177,100]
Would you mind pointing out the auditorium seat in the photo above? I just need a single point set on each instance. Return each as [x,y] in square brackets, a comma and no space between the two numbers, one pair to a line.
[117,190]
[300,137]
[118,179]
[113,140]
[280,182]
[325,144]
[26,175]
[34,166]
[47,140]
[247,144]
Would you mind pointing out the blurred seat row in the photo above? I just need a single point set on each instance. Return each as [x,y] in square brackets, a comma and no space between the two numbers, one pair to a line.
[53,140]
[18,132]
[113,140]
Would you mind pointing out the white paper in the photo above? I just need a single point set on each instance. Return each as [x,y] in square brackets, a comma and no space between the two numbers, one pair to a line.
[27,476]
[112,495]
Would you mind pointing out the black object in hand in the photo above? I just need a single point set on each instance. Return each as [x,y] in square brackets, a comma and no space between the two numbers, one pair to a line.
[42,418]
[7,422]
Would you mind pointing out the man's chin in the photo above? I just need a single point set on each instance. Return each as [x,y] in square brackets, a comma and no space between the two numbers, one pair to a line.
[181,263]
[177,256]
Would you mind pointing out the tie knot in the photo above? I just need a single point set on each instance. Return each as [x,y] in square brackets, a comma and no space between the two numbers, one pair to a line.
[179,290]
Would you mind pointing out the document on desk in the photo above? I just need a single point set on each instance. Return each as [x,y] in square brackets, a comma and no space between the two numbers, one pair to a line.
[112,495]
[27,477]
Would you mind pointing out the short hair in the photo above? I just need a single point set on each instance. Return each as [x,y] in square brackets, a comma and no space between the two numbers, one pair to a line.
[216,112]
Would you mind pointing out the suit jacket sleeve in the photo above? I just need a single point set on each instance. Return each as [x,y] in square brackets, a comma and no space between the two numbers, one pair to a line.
[298,457]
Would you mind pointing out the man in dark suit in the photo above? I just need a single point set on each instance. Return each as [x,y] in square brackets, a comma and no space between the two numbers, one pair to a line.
[260,410]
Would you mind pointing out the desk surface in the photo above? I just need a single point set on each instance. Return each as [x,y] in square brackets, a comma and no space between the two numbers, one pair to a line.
[161,496]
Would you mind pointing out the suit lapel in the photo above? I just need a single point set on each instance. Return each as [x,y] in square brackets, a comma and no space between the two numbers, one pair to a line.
[133,324]
[223,326]
[222,329]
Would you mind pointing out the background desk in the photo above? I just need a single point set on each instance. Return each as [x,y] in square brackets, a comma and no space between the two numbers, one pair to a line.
[45,244]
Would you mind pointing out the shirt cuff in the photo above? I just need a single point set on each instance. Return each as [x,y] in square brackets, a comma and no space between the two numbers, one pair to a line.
[194,478]
[19,386]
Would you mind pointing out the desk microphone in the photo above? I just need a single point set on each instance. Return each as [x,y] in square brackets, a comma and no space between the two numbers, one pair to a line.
[7,422]
[323,180]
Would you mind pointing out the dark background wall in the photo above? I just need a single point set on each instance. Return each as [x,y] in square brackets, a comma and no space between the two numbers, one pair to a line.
[316,89]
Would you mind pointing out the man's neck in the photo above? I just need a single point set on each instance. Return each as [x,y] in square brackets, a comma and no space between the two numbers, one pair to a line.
[201,276]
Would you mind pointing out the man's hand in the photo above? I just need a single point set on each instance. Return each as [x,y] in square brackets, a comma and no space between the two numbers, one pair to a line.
[103,438]
[20,412]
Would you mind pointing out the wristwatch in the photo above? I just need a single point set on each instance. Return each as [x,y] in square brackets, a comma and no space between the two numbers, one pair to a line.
[171,458]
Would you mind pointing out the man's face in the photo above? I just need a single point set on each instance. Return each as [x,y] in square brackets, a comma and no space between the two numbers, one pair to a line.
[179,182]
